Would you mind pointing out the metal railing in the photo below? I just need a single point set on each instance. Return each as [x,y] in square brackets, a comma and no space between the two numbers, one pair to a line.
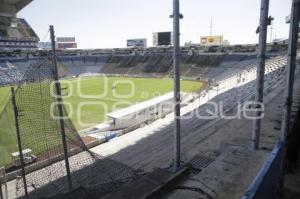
[265,184]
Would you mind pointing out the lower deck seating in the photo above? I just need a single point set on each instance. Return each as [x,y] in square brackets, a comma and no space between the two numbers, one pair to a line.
[207,67]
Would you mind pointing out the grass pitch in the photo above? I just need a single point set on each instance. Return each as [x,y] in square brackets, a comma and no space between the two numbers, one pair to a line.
[91,98]
[7,132]
[4,96]
[87,101]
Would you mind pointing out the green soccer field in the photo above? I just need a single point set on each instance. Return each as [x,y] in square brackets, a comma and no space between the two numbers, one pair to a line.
[87,101]
[4,95]
[91,98]
[7,138]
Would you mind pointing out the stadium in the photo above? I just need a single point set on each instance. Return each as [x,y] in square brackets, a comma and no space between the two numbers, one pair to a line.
[208,120]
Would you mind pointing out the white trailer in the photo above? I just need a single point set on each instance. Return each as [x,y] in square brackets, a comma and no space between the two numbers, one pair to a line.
[140,113]
[27,156]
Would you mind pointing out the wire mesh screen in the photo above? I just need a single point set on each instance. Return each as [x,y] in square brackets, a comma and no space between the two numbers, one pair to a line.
[41,140]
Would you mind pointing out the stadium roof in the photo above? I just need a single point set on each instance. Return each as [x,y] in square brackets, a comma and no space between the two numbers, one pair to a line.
[9,9]
[18,4]
[140,106]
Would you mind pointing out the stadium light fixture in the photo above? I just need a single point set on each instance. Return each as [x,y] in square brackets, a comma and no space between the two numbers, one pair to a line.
[269,22]
[180,16]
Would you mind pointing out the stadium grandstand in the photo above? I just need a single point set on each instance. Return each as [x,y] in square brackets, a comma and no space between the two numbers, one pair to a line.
[196,66]
[15,33]
[104,123]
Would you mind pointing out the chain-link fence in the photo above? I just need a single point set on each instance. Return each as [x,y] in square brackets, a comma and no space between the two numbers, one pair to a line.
[42,146]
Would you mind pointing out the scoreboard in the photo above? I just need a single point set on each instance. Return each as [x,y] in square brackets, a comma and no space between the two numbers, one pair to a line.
[65,39]
[142,43]
[211,40]
[66,43]
[162,39]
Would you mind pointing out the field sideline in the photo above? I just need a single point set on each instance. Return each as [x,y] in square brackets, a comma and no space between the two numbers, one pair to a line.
[87,91]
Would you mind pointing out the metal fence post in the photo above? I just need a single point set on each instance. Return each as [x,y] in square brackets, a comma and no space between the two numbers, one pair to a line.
[1,193]
[176,65]
[16,115]
[260,71]
[5,184]
[60,107]
[291,67]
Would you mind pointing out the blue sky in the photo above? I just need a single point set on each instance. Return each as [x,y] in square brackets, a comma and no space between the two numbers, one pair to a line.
[108,23]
